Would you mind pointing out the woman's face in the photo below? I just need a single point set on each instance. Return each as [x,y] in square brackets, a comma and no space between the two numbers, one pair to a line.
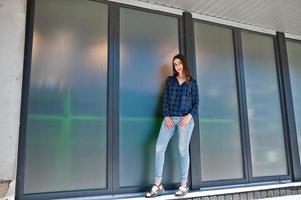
[178,65]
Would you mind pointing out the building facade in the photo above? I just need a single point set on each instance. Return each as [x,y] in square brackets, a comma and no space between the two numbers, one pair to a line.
[91,104]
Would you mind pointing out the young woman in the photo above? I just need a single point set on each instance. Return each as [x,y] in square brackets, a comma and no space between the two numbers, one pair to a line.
[180,105]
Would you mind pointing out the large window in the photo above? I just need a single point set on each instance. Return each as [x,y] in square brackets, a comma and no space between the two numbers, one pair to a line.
[263,103]
[294,60]
[220,140]
[66,137]
[148,43]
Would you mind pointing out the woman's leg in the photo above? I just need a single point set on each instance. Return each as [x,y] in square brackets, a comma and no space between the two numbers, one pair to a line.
[184,140]
[161,145]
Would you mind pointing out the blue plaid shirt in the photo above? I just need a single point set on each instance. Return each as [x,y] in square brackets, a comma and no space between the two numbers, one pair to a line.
[180,100]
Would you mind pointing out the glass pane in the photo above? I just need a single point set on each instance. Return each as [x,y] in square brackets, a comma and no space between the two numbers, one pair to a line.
[264,112]
[294,60]
[220,141]
[148,44]
[66,139]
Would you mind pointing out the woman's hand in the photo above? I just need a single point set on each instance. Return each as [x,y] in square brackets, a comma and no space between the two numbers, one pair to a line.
[168,122]
[184,120]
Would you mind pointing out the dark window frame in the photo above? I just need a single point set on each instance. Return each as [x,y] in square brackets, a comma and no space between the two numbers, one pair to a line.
[30,14]
[241,107]
[135,189]
[276,178]
[243,117]
[291,130]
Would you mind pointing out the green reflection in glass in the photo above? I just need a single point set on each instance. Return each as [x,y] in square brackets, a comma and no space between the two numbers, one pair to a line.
[66,136]
[148,43]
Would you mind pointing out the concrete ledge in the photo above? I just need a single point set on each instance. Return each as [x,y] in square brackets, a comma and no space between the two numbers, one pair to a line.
[242,192]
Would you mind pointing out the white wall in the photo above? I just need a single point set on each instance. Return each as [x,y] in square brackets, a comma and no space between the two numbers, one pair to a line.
[12,35]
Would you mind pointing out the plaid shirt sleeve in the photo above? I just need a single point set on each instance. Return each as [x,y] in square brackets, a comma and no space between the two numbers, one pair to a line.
[166,98]
[195,99]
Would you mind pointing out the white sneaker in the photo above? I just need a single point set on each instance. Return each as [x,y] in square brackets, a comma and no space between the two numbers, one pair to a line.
[182,191]
[155,191]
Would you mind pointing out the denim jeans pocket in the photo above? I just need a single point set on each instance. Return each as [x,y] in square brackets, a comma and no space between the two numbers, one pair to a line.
[191,121]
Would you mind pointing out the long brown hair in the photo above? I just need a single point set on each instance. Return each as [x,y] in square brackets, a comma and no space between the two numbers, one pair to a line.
[186,70]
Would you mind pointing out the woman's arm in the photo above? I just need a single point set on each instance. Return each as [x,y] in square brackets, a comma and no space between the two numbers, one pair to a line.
[167,119]
[194,105]
[166,99]
[195,99]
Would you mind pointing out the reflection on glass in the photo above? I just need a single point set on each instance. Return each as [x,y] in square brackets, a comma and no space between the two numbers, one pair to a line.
[66,136]
[294,60]
[220,141]
[148,44]
[264,112]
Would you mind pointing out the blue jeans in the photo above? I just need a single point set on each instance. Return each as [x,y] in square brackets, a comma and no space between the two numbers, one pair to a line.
[183,147]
